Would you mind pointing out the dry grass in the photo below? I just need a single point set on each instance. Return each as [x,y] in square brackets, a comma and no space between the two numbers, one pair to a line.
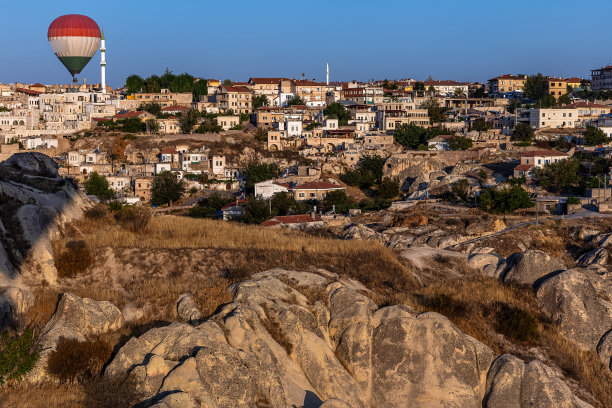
[49,395]
[476,305]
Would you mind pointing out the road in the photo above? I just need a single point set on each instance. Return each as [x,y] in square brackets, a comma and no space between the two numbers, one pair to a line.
[581,214]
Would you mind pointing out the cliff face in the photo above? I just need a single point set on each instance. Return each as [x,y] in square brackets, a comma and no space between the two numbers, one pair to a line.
[34,199]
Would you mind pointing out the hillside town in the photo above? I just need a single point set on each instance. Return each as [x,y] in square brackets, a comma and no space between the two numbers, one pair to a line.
[371,144]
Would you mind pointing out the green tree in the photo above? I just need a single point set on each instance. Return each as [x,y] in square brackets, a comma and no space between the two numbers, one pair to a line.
[255,210]
[188,120]
[564,100]
[153,108]
[523,133]
[373,164]
[504,200]
[255,173]
[419,86]
[98,185]
[226,82]
[409,135]
[594,136]
[18,355]
[459,143]
[559,176]
[339,201]
[209,126]
[153,84]
[388,188]
[152,126]
[166,188]
[459,92]
[480,125]
[200,88]
[133,125]
[259,101]
[338,111]
[134,83]
[261,135]
[295,100]
[436,113]
[536,87]
[283,203]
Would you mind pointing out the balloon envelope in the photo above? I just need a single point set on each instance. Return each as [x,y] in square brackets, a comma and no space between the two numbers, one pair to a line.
[74,39]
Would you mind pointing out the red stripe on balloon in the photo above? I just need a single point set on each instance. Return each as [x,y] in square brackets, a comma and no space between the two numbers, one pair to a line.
[73,25]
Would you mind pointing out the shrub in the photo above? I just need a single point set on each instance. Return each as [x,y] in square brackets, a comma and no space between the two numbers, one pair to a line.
[73,260]
[18,355]
[517,324]
[134,218]
[97,212]
[389,188]
[74,360]
[112,393]
[444,304]
[115,206]
[573,200]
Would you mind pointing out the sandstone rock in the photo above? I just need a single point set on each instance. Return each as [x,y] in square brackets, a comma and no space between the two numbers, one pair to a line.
[604,241]
[75,318]
[604,349]
[514,384]
[275,346]
[579,301]
[359,231]
[131,313]
[531,266]
[426,360]
[599,256]
[485,262]
[187,308]
[586,233]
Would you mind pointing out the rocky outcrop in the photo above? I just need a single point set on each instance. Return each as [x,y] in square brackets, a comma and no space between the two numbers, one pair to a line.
[187,308]
[579,301]
[530,266]
[75,318]
[302,338]
[604,349]
[597,256]
[513,384]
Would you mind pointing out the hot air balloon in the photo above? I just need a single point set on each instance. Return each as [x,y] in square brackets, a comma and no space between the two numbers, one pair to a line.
[74,39]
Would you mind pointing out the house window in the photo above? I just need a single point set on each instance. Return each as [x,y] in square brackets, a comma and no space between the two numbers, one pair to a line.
[301,195]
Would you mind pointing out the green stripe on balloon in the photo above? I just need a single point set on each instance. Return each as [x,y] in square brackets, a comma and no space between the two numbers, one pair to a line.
[74,64]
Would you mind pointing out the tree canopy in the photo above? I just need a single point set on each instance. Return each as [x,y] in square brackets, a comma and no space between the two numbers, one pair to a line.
[188,120]
[166,188]
[594,136]
[504,200]
[412,136]
[175,83]
[459,143]
[295,100]
[559,176]
[255,173]
[535,87]
[259,101]
[523,133]
[436,113]
[97,185]
[338,111]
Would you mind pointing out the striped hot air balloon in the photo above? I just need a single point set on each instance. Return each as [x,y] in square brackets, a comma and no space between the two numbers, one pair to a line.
[74,39]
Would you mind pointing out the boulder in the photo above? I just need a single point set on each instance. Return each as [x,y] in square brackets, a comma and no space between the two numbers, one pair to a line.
[359,231]
[187,308]
[604,349]
[531,266]
[487,263]
[599,256]
[511,383]
[604,241]
[578,300]
[75,318]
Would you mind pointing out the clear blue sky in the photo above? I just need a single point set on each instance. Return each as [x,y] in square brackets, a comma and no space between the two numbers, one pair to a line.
[463,40]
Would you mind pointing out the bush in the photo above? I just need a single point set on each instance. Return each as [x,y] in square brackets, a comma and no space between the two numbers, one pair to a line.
[18,355]
[97,212]
[115,206]
[202,212]
[573,200]
[389,188]
[495,200]
[517,324]
[74,260]
[129,137]
[134,218]
[112,393]
[75,360]
[166,188]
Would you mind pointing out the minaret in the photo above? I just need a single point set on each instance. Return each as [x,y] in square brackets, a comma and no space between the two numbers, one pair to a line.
[327,72]
[103,62]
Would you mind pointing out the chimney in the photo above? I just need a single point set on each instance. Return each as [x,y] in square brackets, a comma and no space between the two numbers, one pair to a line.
[313,214]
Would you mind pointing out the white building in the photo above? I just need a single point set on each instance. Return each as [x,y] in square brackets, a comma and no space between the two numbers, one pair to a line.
[537,159]
[553,118]
[266,189]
